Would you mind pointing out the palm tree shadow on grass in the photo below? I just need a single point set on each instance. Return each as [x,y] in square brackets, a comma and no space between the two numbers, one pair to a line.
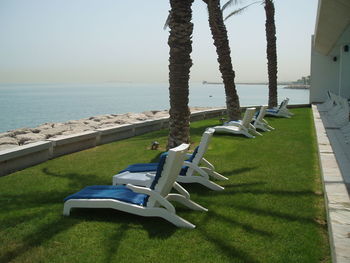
[270,192]
[39,204]
[159,229]
[227,249]
[40,236]
[79,181]
[50,199]
[257,211]
[238,185]
[156,227]
[234,172]
[275,214]
[156,158]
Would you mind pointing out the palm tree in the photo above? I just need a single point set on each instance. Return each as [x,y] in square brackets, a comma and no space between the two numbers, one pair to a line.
[271,51]
[219,34]
[270,29]
[180,62]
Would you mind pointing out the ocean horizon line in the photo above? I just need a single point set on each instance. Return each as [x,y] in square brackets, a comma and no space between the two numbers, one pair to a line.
[136,82]
[32,104]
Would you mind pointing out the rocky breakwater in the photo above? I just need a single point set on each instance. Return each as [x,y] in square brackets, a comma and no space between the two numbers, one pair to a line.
[46,131]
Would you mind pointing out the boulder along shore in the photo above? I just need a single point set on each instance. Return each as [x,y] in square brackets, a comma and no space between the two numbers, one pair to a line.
[22,136]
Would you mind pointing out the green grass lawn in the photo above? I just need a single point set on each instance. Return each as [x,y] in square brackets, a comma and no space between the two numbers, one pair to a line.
[272,208]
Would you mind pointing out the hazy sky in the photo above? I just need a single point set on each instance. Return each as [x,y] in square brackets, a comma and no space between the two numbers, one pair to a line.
[122,40]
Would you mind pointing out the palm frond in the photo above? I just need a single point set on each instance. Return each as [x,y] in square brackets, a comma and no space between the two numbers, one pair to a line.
[241,10]
[229,3]
[167,21]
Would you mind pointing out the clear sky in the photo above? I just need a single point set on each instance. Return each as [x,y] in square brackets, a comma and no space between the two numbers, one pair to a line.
[120,40]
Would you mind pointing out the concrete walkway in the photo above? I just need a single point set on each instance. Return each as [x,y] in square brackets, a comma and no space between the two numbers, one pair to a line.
[334,156]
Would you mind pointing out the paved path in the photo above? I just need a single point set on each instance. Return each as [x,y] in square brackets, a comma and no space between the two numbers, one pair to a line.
[335,168]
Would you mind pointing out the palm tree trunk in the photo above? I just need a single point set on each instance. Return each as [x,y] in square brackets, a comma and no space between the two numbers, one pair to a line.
[180,63]
[270,28]
[219,34]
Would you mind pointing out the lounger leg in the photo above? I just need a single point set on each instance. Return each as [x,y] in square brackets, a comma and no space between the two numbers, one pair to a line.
[262,127]
[269,127]
[247,134]
[181,190]
[214,174]
[256,132]
[207,163]
[66,209]
[186,202]
[266,125]
[200,180]
[211,185]
[176,220]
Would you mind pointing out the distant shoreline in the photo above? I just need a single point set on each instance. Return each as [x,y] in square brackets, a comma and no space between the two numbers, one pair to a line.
[297,86]
[204,82]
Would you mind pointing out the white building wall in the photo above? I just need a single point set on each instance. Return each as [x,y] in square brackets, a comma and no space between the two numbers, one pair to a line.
[345,64]
[324,75]
[327,74]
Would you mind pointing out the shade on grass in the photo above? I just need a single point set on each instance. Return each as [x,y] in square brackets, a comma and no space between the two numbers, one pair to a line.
[271,210]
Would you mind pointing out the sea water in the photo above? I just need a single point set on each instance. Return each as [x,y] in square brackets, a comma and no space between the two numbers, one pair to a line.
[29,105]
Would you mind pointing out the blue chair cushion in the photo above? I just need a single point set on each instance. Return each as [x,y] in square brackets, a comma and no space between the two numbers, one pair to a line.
[152,167]
[185,168]
[271,111]
[231,122]
[144,167]
[160,166]
[193,154]
[141,167]
[116,192]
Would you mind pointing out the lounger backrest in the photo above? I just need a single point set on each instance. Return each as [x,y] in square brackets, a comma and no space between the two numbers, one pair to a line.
[199,151]
[334,98]
[286,101]
[170,165]
[203,145]
[341,118]
[248,116]
[261,113]
[283,103]
[344,104]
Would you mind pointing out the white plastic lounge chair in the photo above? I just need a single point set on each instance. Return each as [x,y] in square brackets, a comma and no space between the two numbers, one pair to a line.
[259,122]
[346,133]
[346,128]
[239,127]
[285,109]
[191,172]
[251,127]
[280,111]
[341,119]
[328,104]
[143,201]
[340,105]
[338,115]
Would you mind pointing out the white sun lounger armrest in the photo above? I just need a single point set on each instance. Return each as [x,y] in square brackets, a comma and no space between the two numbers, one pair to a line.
[181,190]
[205,161]
[197,169]
[152,194]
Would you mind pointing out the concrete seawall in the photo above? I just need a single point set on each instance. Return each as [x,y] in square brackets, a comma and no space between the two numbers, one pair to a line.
[24,156]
